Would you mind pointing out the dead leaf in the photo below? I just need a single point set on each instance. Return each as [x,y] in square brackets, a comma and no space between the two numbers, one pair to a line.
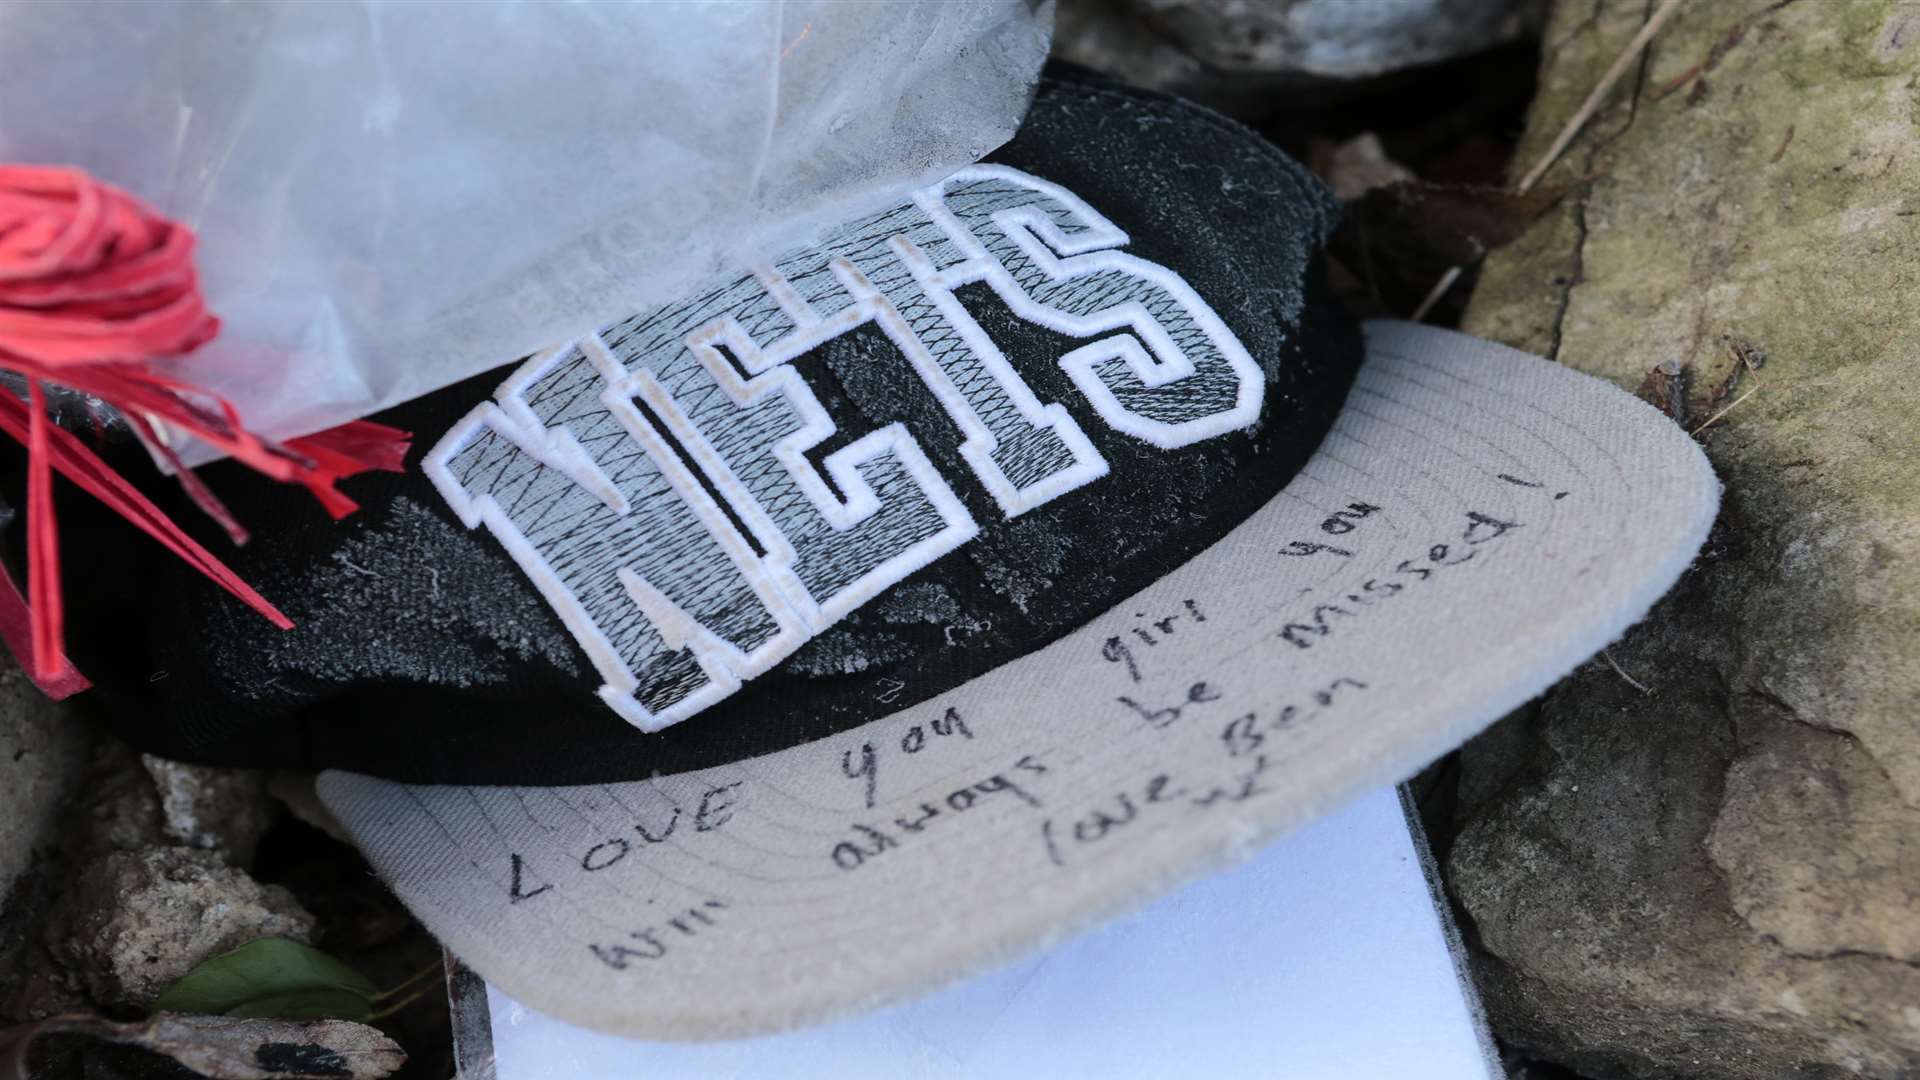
[1745,359]
[226,1048]
[1402,237]
[1665,388]
[1461,223]
[1355,167]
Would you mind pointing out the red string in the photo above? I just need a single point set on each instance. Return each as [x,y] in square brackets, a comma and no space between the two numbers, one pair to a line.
[65,452]
[94,287]
[16,630]
[43,542]
[202,496]
[349,450]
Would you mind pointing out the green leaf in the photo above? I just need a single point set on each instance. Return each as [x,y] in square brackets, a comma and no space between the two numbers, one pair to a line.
[274,978]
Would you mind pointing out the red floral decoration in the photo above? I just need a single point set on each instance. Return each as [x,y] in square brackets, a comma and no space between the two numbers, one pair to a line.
[94,288]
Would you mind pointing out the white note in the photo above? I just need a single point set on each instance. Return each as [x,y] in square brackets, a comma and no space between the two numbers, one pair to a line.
[1322,956]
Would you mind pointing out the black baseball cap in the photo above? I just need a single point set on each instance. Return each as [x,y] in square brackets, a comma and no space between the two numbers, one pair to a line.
[900,600]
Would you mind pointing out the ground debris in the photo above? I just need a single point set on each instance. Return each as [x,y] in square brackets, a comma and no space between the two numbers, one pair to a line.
[1355,166]
[1665,388]
[1669,385]
[227,1048]
[1746,357]
[1399,238]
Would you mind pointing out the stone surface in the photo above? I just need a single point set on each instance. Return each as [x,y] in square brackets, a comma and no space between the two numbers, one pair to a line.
[135,921]
[135,800]
[1207,47]
[1720,878]
[112,808]
[141,879]
[1818,851]
[220,810]
[121,810]
[42,754]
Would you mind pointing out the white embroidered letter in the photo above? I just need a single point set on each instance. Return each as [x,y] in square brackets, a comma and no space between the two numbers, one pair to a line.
[663,596]
[1174,375]
[900,268]
[654,480]
[749,432]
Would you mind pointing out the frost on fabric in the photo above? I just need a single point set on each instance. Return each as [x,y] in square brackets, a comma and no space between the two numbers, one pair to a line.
[409,598]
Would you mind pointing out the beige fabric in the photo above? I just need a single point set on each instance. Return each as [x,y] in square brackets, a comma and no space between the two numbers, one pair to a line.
[1526,515]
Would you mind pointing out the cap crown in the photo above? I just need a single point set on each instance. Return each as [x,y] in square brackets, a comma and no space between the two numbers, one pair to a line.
[832,483]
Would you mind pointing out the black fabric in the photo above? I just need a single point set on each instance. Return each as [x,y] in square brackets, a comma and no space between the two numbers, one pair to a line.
[423,653]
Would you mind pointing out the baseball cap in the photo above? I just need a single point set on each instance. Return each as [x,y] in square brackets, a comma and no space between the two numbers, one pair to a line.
[912,597]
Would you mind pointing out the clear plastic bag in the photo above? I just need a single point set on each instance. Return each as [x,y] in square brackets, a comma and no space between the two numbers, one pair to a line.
[392,196]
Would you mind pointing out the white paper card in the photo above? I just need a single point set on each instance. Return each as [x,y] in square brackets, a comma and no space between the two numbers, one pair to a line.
[1322,956]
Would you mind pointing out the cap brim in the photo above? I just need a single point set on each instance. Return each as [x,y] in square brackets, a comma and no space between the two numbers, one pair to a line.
[1478,522]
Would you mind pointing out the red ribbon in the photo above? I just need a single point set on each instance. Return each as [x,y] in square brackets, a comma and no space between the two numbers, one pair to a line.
[94,286]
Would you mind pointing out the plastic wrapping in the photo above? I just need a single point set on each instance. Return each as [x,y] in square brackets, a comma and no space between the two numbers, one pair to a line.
[392,196]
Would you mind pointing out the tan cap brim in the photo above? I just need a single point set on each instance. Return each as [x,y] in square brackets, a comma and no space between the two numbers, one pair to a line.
[1478,522]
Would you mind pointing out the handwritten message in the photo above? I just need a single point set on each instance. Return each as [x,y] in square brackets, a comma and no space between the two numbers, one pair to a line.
[1323,619]
[1205,708]
[864,764]
[870,841]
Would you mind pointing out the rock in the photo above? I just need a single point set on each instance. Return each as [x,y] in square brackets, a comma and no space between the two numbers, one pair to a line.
[1208,47]
[121,811]
[135,921]
[1719,877]
[42,755]
[136,801]
[1803,864]
[220,810]
[142,883]
[45,761]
